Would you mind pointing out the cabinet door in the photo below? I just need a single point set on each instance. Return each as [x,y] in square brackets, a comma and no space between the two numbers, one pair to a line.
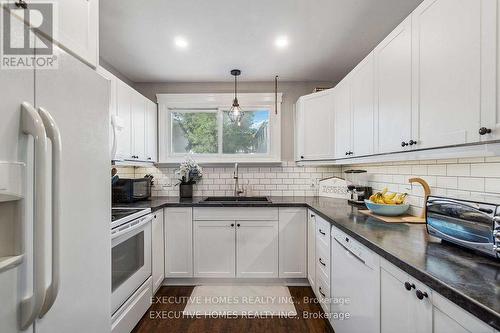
[393,89]
[151,132]
[453,41]
[214,249]
[292,243]
[123,121]
[317,121]
[138,111]
[343,130]
[78,28]
[311,249]
[178,242]
[362,106]
[449,318]
[158,250]
[395,302]
[400,309]
[257,249]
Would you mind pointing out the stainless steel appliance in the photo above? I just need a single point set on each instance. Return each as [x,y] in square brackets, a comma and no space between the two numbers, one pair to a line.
[472,224]
[357,185]
[130,253]
[131,190]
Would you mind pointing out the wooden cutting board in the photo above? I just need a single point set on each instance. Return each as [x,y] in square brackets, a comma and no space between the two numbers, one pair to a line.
[394,219]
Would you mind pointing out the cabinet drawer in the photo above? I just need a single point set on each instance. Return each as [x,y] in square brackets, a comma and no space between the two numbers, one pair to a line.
[323,263]
[322,234]
[323,293]
[235,214]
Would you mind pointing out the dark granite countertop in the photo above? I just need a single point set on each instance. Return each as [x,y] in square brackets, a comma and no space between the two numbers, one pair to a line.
[469,280]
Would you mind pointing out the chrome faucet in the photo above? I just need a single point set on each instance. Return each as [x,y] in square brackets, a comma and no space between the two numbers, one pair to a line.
[237,190]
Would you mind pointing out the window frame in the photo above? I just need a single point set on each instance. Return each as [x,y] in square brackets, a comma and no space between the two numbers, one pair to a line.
[218,103]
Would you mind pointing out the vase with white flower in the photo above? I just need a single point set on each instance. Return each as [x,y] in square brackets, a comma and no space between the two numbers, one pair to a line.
[189,172]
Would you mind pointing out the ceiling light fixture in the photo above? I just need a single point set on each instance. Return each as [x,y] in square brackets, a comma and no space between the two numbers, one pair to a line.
[236,113]
[181,42]
[281,42]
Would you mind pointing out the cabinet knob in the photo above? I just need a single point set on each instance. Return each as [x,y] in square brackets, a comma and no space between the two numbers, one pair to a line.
[412,142]
[346,153]
[232,224]
[149,158]
[404,144]
[301,157]
[238,225]
[21,4]
[409,286]
[421,294]
[484,131]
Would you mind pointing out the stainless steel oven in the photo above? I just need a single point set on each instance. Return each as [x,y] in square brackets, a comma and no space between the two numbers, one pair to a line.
[471,224]
[130,257]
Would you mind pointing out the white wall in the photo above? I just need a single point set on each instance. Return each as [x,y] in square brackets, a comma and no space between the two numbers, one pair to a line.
[291,92]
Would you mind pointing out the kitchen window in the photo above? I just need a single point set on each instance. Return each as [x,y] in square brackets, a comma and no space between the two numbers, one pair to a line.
[199,124]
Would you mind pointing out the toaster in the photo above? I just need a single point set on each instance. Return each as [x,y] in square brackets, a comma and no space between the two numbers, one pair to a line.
[471,224]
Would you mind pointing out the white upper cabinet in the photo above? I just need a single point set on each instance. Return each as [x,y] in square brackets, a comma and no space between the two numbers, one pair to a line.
[78,28]
[342,119]
[123,121]
[138,111]
[393,90]
[362,108]
[453,81]
[151,131]
[315,126]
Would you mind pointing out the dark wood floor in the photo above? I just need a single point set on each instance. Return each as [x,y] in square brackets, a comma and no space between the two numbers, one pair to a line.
[174,300]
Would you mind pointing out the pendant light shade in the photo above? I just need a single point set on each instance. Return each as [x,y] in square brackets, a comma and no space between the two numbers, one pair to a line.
[236,113]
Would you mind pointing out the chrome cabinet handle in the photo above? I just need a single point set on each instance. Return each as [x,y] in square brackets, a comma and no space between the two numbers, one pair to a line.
[54,135]
[32,124]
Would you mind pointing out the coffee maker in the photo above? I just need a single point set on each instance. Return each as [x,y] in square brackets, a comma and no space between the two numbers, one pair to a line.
[357,185]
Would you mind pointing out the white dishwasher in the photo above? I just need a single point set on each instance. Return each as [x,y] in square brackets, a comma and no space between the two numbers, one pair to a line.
[355,286]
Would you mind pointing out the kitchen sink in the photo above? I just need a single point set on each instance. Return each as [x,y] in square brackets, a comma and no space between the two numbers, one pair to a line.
[236,199]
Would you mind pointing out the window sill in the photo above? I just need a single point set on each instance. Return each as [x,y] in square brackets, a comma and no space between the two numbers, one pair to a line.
[224,163]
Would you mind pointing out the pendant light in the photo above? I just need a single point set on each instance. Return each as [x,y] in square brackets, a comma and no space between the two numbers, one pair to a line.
[236,113]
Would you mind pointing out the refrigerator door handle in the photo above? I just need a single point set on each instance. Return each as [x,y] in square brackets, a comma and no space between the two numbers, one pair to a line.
[54,135]
[32,124]
[115,136]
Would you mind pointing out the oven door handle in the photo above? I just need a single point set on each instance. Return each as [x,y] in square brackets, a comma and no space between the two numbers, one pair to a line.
[131,226]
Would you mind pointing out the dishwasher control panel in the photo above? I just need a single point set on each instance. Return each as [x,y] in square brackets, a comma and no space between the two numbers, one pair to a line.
[354,247]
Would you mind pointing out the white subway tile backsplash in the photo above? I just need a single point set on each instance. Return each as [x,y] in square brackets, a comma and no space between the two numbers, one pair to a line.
[452,177]
[436,170]
[458,169]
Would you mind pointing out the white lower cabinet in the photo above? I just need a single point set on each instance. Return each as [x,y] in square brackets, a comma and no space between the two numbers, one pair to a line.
[214,249]
[178,242]
[158,250]
[400,309]
[311,248]
[257,249]
[406,305]
[292,243]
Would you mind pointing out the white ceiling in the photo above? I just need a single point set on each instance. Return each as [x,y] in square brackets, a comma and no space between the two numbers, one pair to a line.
[327,38]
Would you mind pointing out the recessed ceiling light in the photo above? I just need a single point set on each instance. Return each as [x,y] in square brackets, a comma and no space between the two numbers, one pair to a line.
[281,42]
[181,42]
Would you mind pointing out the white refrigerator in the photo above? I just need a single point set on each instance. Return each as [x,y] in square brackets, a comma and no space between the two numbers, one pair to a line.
[55,200]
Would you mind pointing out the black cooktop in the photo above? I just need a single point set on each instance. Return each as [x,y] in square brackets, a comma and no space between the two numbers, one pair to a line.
[118,213]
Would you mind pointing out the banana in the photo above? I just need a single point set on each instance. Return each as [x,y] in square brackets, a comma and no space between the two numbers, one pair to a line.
[387,198]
